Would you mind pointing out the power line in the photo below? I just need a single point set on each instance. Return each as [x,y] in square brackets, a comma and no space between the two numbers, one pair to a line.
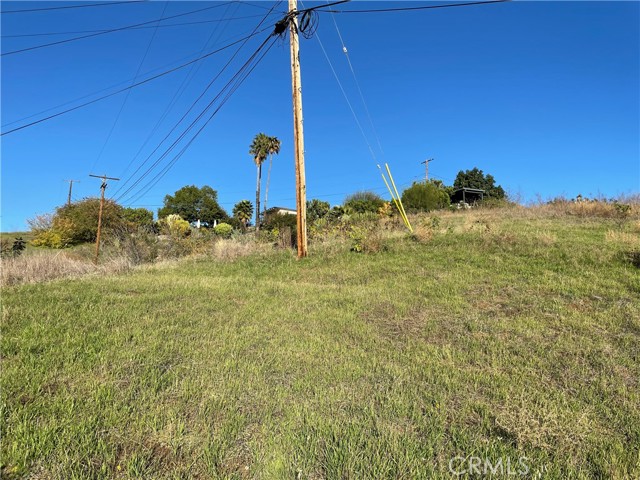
[126,97]
[344,93]
[184,116]
[26,10]
[233,89]
[353,73]
[163,172]
[186,131]
[115,85]
[405,9]
[202,57]
[104,30]
[178,93]
[67,40]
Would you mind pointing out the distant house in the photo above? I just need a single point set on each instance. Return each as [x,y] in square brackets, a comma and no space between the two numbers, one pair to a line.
[282,211]
[467,195]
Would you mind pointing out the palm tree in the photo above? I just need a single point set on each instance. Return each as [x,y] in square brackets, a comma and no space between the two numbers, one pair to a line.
[243,211]
[273,149]
[259,150]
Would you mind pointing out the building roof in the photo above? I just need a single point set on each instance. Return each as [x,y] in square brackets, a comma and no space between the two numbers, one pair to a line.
[283,208]
[467,189]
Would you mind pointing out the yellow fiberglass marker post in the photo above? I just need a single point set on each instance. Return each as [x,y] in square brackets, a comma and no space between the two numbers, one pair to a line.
[393,197]
[398,195]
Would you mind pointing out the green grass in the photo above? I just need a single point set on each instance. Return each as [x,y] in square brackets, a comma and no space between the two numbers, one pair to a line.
[498,338]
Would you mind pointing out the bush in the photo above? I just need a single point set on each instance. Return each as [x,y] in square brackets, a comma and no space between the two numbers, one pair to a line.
[362,202]
[424,197]
[316,210]
[280,221]
[60,235]
[138,218]
[366,239]
[175,226]
[14,250]
[79,220]
[223,230]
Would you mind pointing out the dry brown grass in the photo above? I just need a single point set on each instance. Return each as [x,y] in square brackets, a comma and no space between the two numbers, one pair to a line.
[227,250]
[44,266]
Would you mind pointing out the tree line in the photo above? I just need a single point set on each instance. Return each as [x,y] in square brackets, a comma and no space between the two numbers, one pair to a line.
[193,206]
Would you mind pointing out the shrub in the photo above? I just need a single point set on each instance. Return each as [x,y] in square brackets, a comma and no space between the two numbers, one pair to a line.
[280,221]
[223,230]
[138,218]
[13,250]
[79,220]
[60,235]
[366,239]
[362,202]
[424,197]
[316,210]
[175,225]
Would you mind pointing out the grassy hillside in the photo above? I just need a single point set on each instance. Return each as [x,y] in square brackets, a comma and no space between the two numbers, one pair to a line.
[507,336]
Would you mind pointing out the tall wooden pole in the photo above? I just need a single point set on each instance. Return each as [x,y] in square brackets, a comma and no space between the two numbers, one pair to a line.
[102,189]
[301,185]
[70,187]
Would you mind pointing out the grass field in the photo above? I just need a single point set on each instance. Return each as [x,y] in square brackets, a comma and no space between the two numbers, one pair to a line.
[512,338]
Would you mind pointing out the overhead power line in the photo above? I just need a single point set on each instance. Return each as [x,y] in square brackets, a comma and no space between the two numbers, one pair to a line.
[73,39]
[142,82]
[406,9]
[126,97]
[195,102]
[26,10]
[353,73]
[181,24]
[193,70]
[236,81]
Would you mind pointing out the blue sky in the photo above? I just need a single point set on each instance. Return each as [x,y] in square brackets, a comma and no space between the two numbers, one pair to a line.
[542,95]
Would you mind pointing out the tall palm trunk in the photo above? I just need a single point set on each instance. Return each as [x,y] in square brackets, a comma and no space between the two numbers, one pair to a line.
[266,191]
[258,197]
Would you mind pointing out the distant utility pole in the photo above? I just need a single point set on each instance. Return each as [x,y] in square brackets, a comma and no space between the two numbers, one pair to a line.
[70,187]
[426,166]
[102,189]
[296,84]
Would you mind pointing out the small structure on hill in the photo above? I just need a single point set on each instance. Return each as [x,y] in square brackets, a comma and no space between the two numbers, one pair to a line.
[282,210]
[467,195]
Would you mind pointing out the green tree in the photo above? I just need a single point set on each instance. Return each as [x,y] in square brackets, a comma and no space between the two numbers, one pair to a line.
[475,178]
[425,196]
[362,202]
[273,148]
[192,204]
[242,211]
[317,209]
[259,150]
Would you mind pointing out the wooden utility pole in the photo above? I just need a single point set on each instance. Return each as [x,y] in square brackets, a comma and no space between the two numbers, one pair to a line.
[102,189]
[70,187]
[296,84]
[426,166]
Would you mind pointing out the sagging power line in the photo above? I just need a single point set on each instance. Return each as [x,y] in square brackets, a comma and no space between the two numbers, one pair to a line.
[137,84]
[126,27]
[65,7]
[188,111]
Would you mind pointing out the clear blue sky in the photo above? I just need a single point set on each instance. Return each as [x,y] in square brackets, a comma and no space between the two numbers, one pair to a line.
[542,95]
